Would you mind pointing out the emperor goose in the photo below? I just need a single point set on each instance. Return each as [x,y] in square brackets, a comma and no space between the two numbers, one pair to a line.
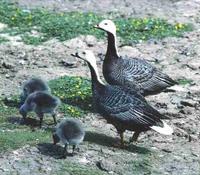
[130,72]
[125,109]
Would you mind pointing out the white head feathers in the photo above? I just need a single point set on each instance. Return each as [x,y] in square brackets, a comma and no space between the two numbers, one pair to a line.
[108,26]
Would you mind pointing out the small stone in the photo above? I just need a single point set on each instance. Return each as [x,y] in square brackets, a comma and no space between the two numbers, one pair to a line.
[166,150]
[105,165]
[70,64]
[7,65]
[188,102]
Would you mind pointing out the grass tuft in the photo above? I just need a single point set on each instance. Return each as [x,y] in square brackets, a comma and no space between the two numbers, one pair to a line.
[75,93]
[184,81]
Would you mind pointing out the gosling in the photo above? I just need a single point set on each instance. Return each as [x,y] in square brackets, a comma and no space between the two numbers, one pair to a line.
[40,102]
[70,132]
[32,85]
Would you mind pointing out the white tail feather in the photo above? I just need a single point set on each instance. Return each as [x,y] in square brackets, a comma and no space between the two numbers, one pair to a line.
[166,129]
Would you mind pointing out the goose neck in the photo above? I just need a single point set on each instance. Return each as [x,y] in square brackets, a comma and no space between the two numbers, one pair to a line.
[112,46]
[96,81]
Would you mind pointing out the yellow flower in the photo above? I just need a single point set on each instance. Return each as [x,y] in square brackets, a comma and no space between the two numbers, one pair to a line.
[179,26]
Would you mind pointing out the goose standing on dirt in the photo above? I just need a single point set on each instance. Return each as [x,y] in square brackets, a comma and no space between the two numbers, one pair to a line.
[32,85]
[70,132]
[130,72]
[40,102]
[124,109]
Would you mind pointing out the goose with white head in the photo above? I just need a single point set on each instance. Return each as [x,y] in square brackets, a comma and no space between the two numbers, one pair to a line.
[125,109]
[130,72]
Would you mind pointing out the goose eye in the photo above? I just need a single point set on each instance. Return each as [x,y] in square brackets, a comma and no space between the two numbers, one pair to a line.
[106,23]
[83,53]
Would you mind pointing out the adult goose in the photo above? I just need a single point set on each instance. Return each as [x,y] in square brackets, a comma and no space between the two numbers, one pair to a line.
[125,109]
[130,72]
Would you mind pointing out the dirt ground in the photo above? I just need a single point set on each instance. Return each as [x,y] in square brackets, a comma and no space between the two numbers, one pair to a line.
[178,57]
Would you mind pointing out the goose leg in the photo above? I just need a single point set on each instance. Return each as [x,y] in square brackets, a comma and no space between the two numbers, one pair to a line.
[54,118]
[121,139]
[73,149]
[41,118]
[134,137]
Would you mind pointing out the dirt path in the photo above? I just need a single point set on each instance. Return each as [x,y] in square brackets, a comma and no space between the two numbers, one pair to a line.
[154,154]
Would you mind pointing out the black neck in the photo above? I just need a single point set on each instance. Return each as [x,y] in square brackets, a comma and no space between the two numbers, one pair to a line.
[111,48]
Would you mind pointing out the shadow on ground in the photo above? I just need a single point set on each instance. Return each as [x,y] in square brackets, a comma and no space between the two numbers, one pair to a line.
[49,149]
[104,140]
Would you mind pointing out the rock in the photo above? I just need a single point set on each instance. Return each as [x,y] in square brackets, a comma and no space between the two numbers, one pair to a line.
[90,40]
[105,165]
[2,26]
[130,51]
[188,102]
[178,88]
[75,43]
[70,64]
[7,65]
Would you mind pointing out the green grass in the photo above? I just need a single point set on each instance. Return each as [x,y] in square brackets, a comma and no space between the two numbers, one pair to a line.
[184,81]
[75,94]
[10,140]
[145,164]
[3,39]
[77,169]
[64,26]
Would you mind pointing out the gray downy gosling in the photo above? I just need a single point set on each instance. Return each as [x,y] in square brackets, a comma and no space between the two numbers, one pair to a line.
[32,85]
[70,132]
[40,102]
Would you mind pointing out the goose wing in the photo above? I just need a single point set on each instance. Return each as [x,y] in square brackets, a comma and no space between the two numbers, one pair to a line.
[123,106]
[147,76]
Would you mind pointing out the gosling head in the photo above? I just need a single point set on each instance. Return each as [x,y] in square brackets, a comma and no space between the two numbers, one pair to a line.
[107,25]
[86,55]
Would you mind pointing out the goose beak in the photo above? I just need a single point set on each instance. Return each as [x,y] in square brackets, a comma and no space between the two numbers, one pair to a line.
[96,26]
[76,55]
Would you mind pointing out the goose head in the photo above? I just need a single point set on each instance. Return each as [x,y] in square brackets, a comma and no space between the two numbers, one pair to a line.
[86,55]
[107,25]
[89,57]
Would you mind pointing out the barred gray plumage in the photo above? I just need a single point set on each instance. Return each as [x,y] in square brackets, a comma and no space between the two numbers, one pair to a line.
[40,102]
[131,72]
[125,109]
